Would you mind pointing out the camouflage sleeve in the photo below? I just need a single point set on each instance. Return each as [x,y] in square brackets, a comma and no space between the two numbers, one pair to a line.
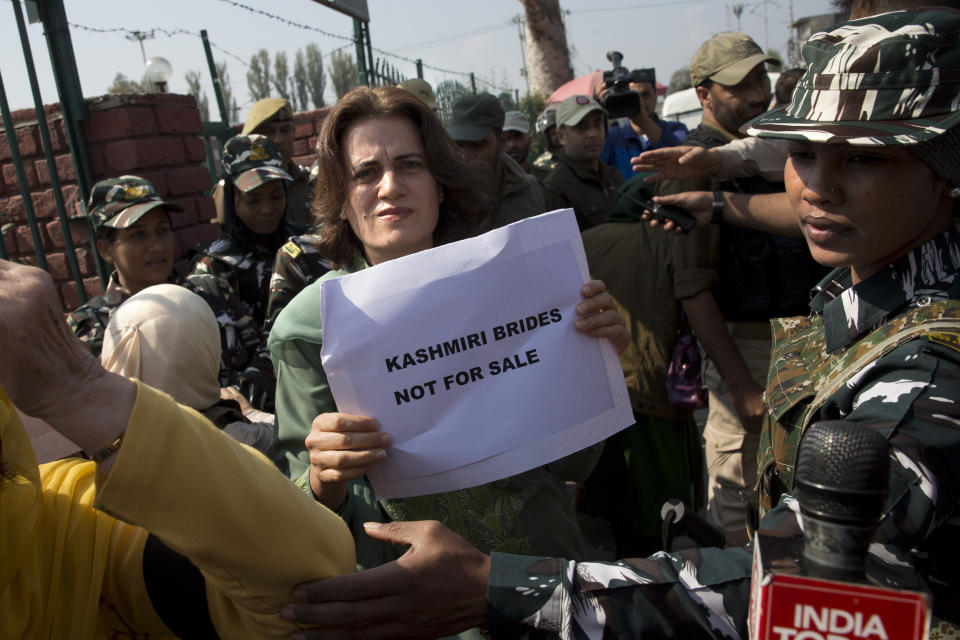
[89,325]
[245,361]
[697,593]
[288,280]
[911,394]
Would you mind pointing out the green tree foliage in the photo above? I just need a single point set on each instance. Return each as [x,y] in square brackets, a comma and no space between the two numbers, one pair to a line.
[343,73]
[194,80]
[227,92]
[316,78]
[679,81]
[282,80]
[258,75]
[302,94]
[124,85]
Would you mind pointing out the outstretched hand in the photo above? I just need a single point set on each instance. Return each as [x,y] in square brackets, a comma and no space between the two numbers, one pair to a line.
[676,163]
[437,588]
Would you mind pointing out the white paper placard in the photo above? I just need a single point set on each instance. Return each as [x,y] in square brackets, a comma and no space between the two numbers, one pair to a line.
[467,356]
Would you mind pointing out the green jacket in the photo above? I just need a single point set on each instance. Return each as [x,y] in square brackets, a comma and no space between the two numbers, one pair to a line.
[590,195]
[521,196]
[528,513]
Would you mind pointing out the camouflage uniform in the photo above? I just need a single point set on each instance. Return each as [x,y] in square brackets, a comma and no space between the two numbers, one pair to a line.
[884,352]
[89,321]
[297,264]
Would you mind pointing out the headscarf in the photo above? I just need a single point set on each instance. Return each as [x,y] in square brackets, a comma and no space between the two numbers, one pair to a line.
[167,337]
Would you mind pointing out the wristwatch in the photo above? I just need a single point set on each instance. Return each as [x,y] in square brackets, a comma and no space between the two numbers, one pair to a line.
[717,208]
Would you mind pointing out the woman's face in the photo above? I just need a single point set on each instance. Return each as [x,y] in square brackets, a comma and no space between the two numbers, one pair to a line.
[143,252]
[261,209]
[863,207]
[393,201]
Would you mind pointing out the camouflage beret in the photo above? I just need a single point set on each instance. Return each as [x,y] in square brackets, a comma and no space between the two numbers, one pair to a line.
[250,161]
[265,111]
[889,79]
[120,202]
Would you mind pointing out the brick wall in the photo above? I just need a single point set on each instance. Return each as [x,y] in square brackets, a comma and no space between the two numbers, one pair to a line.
[153,136]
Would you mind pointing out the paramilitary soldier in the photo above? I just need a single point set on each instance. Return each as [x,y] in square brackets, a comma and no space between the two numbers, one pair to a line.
[273,118]
[133,231]
[874,179]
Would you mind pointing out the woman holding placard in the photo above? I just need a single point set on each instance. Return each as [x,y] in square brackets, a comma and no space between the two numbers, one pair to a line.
[391,183]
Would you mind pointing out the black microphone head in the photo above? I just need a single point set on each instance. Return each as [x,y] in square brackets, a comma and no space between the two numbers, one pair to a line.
[843,470]
[842,475]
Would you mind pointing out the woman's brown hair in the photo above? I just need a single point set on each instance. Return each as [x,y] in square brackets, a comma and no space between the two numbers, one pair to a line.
[464,202]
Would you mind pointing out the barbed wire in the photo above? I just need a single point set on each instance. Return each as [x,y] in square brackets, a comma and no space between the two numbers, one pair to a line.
[167,32]
[288,22]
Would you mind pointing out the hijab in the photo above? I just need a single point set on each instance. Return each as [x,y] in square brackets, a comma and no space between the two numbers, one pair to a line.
[167,337]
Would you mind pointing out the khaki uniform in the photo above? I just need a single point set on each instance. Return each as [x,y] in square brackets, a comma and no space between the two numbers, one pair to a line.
[589,194]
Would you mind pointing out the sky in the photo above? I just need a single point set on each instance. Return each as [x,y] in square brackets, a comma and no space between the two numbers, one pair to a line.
[452,37]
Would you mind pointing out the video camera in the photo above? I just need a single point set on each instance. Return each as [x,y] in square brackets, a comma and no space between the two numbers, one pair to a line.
[620,101]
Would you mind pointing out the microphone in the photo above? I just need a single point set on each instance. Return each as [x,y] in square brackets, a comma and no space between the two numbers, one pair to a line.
[843,469]
[815,585]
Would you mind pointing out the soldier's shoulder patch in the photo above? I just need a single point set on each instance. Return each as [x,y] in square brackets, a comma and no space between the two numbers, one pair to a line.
[947,339]
[292,249]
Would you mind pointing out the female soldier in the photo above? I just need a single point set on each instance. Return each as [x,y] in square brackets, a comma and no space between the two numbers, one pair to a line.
[391,184]
[254,197]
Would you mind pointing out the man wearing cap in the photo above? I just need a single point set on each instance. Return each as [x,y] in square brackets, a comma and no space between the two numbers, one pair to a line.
[580,180]
[273,118]
[758,276]
[422,89]
[640,132]
[516,138]
[476,125]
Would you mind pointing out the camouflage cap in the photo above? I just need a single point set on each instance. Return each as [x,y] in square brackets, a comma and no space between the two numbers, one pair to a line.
[250,161]
[264,111]
[516,121]
[474,116]
[889,79]
[118,203]
[726,59]
[421,89]
[572,110]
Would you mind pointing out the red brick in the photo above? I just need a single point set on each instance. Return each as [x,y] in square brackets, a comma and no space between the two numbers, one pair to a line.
[185,218]
[304,130]
[178,119]
[114,124]
[44,204]
[58,136]
[10,240]
[195,150]
[206,209]
[79,232]
[300,148]
[28,141]
[59,266]
[29,172]
[131,155]
[189,236]
[188,180]
[71,299]
[25,240]
[11,209]
[65,169]
[98,164]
